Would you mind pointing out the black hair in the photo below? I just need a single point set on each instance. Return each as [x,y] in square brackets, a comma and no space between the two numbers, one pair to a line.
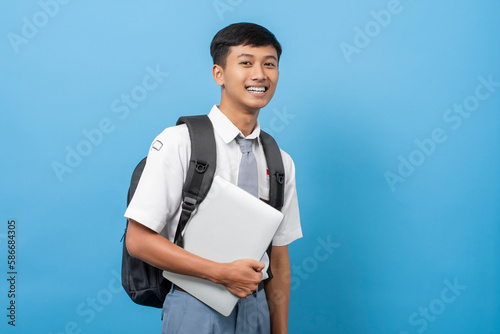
[241,34]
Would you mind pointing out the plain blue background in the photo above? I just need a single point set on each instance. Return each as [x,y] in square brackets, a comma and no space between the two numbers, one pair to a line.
[347,119]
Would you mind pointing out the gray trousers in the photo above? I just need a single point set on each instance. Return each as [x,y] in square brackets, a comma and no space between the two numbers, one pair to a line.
[184,314]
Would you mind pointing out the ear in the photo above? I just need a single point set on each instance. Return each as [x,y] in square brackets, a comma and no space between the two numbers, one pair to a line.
[218,73]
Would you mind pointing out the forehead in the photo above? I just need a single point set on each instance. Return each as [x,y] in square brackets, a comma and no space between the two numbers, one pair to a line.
[238,51]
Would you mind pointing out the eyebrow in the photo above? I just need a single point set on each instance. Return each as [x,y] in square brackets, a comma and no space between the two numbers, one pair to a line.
[252,56]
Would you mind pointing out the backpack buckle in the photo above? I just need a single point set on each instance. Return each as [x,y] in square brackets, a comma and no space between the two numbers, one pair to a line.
[200,166]
[188,204]
[280,177]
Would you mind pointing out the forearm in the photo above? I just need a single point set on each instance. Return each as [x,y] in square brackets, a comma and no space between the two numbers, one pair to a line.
[240,277]
[158,251]
[278,290]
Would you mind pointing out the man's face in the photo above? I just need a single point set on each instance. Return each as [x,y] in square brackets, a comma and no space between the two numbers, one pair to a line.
[250,77]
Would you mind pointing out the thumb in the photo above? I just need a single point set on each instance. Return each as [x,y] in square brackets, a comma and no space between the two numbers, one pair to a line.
[258,266]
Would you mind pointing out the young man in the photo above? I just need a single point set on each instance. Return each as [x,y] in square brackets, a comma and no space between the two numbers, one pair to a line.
[246,58]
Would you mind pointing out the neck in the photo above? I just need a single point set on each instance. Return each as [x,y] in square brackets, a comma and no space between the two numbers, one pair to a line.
[244,120]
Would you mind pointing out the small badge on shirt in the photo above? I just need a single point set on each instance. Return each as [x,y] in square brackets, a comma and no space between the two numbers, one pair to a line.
[267,174]
[157,145]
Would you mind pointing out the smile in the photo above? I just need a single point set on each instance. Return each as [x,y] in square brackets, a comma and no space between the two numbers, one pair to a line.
[256,89]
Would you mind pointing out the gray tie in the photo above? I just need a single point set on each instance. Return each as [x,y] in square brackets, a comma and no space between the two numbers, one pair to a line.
[248,177]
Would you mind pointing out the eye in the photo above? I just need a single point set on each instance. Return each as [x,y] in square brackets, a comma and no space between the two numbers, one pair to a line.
[245,63]
[270,64]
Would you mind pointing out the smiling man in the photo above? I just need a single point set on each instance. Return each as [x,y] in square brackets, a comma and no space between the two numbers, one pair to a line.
[246,58]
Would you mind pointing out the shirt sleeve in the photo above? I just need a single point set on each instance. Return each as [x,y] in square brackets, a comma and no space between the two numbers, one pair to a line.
[157,198]
[290,229]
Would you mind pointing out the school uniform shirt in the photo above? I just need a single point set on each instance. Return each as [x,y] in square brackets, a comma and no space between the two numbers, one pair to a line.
[158,197]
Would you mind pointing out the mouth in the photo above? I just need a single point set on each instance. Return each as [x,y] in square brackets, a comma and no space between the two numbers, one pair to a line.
[257,89]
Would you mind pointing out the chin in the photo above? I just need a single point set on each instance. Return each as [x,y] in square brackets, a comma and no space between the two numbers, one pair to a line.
[257,104]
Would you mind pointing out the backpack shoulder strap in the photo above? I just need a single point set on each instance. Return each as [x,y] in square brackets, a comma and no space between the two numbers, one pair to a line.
[201,170]
[276,178]
[276,170]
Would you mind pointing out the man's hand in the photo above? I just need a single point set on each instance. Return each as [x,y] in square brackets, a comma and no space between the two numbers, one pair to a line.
[241,277]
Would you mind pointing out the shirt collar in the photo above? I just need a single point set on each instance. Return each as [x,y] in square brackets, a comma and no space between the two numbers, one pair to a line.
[226,129]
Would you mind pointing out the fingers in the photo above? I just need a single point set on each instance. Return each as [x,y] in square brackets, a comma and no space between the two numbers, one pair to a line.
[253,273]
[250,263]
[243,291]
[258,266]
[244,277]
[240,294]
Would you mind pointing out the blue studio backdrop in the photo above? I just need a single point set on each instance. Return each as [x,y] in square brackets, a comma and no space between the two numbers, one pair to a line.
[390,109]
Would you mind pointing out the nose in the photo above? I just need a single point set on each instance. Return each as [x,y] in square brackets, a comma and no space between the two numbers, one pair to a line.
[258,73]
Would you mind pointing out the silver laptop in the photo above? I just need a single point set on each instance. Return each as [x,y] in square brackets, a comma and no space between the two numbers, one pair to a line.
[230,224]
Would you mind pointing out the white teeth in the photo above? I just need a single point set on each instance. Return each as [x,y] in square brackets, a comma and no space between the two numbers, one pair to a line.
[257,89]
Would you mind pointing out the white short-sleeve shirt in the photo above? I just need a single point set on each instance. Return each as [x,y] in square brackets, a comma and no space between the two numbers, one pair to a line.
[157,200]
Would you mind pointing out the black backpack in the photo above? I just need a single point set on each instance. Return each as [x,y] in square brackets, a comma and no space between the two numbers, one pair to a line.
[144,283]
